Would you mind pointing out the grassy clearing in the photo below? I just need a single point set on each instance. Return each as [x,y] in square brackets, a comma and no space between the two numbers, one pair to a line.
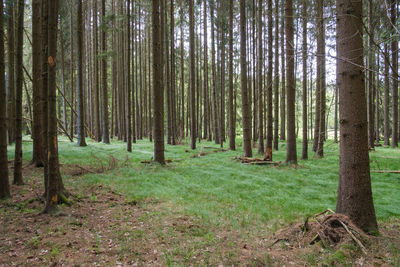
[220,190]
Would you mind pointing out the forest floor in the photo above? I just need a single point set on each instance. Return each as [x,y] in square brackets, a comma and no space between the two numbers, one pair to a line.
[203,209]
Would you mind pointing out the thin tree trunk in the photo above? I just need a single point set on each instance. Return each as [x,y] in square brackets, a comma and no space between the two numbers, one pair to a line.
[36,75]
[304,154]
[276,78]
[268,151]
[79,86]
[321,77]
[232,121]
[192,78]
[243,72]
[11,74]
[105,126]
[18,89]
[386,127]
[291,154]
[283,70]
[4,182]
[395,83]
[260,63]
[214,78]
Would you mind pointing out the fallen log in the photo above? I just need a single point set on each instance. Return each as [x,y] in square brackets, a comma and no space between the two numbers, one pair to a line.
[257,161]
[151,161]
[386,171]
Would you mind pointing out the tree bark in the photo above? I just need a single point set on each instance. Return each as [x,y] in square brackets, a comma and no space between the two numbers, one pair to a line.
[11,73]
[79,85]
[276,78]
[158,93]
[304,154]
[192,78]
[283,70]
[354,191]
[232,121]
[260,63]
[291,154]
[18,96]
[246,112]
[268,152]
[36,75]
[4,182]
[395,68]
[386,122]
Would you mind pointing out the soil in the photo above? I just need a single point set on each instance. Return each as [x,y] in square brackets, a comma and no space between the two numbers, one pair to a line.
[103,228]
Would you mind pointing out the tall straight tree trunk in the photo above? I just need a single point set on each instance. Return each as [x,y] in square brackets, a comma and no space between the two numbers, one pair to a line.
[96,86]
[192,78]
[182,77]
[127,77]
[260,63]
[173,84]
[321,76]
[79,85]
[268,151]
[370,77]
[158,95]
[395,67]
[214,77]
[232,121]
[304,154]
[4,182]
[283,70]
[205,63]
[18,89]
[104,95]
[335,139]
[386,122]
[247,151]
[276,78]
[71,74]
[291,154]
[354,191]
[54,184]
[36,75]
[11,74]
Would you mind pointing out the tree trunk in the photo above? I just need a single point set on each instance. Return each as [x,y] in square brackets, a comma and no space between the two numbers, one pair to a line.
[214,78]
[79,85]
[192,78]
[268,152]
[54,183]
[232,121]
[36,75]
[395,67]
[283,70]
[18,89]
[291,154]
[260,63]
[105,126]
[11,73]
[276,78]
[321,77]
[386,127]
[246,112]
[304,154]
[4,182]
[158,94]
[354,191]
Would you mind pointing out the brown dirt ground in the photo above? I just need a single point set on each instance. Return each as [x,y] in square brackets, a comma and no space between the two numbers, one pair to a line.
[102,228]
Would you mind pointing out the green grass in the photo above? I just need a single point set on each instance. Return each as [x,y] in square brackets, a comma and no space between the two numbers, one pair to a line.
[220,190]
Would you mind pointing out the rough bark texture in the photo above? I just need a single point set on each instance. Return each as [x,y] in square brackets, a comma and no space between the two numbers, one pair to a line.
[395,67]
[79,82]
[4,183]
[283,70]
[246,112]
[386,122]
[321,76]
[192,78]
[354,191]
[291,154]
[36,75]
[232,121]
[104,95]
[304,153]
[260,79]
[276,77]
[268,151]
[54,184]
[11,73]
[158,93]
[18,94]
